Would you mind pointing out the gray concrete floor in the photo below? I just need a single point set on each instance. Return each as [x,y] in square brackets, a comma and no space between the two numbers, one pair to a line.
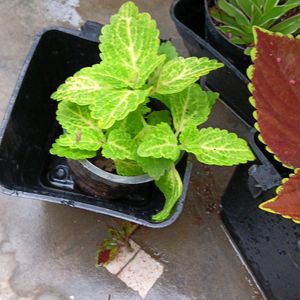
[47,251]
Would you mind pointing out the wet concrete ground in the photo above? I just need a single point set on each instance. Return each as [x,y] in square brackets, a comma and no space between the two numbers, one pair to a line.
[47,251]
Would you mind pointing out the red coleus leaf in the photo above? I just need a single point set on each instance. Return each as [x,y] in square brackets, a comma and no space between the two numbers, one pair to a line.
[117,238]
[103,257]
[276,92]
[287,203]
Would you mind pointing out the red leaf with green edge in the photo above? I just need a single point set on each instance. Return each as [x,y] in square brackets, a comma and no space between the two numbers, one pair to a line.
[276,92]
[287,203]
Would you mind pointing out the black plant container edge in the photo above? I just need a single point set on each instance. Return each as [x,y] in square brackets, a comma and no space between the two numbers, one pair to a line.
[89,31]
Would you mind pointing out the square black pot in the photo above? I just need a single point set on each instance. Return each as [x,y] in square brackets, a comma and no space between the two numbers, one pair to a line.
[29,128]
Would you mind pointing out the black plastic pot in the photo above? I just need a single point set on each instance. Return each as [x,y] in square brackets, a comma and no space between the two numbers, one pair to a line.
[234,53]
[231,83]
[29,128]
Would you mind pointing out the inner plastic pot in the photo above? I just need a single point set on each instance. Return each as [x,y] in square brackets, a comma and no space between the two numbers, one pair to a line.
[100,183]
[234,53]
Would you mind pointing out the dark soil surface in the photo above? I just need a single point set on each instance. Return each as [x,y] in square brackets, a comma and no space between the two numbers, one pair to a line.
[104,164]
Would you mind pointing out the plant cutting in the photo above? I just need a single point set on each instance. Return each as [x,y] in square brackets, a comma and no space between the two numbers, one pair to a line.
[117,239]
[275,86]
[140,107]
[235,18]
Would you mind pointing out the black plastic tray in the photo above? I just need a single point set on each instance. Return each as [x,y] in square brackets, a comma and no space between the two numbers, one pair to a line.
[29,128]
[232,84]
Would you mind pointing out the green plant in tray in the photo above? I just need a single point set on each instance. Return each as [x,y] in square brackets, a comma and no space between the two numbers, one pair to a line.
[237,17]
[107,109]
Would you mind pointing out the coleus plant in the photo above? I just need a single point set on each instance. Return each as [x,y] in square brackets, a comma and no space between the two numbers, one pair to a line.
[237,17]
[116,240]
[107,110]
[275,86]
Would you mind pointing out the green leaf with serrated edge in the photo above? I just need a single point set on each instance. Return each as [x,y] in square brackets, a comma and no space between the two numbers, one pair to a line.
[134,122]
[168,49]
[128,168]
[190,107]
[119,145]
[171,186]
[71,153]
[86,139]
[179,73]
[212,98]
[73,117]
[160,116]
[115,105]
[214,146]
[165,99]
[154,167]
[85,85]
[130,42]
[160,141]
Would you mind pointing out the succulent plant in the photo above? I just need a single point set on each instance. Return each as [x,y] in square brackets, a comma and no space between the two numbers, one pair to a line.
[237,17]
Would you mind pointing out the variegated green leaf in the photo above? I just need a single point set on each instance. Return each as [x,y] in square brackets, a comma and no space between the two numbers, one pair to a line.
[214,146]
[179,73]
[165,99]
[154,167]
[130,43]
[212,98]
[73,117]
[158,142]
[171,186]
[132,124]
[159,116]
[71,153]
[119,145]
[168,49]
[84,86]
[191,106]
[128,168]
[115,105]
[86,139]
